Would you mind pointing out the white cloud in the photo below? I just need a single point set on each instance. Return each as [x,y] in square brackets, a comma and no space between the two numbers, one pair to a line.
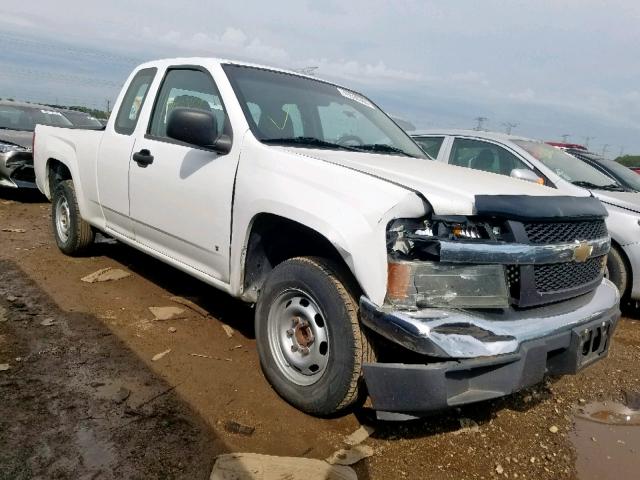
[523,96]
[232,42]
[362,72]
[470,77]
[506,60]
[15,20]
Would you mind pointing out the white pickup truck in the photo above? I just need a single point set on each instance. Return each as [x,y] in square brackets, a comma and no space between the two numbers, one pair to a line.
[373,269]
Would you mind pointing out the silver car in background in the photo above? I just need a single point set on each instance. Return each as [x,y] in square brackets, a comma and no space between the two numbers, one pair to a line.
[536,161]
[17,123]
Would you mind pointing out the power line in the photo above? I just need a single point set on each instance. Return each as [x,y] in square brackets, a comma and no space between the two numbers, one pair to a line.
[480,125]
[508,126]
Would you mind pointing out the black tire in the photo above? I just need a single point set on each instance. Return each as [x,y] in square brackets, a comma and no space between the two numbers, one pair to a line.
[617,271]
[78,235]
[340,384]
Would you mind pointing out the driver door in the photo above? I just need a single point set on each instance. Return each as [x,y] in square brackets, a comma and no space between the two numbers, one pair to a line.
[181,201]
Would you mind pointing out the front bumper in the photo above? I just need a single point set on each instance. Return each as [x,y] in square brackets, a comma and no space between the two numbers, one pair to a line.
[16,170]
[485,354]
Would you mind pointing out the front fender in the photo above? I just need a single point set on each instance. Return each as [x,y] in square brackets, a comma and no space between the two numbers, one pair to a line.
[348,208]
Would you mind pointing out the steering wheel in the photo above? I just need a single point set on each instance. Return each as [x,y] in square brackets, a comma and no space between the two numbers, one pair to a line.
[350,140]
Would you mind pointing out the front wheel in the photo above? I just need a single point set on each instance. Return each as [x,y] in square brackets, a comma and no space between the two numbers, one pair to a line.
[73,235]
[309,339]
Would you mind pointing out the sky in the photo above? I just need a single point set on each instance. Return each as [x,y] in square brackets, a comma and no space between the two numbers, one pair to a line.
[553,67]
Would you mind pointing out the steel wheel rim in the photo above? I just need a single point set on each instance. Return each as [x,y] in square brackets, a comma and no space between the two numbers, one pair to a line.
[63,219]
[298,337]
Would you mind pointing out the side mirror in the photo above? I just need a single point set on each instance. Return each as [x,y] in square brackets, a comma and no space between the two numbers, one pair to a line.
[526,175]
[197,127]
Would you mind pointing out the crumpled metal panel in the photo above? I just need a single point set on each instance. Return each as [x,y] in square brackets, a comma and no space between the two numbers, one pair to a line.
[484,333]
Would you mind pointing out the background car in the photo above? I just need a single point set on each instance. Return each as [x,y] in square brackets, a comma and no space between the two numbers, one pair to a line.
[623,175]
[17,123]
[537,161]
[82,119]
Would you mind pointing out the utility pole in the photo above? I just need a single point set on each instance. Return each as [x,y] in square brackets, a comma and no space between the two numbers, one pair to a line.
[565,137]
[604,149]
[108,106]
[587,140]
[621,150]
[508,126]
[480,125]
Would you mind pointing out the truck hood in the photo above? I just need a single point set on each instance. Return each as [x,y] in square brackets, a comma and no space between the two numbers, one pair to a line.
[627,200]
[16,137]
[450,190]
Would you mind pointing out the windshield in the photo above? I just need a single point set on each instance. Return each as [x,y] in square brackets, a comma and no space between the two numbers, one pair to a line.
[624,175]
[81,119]
[285,109]
[567,167]
[26,118]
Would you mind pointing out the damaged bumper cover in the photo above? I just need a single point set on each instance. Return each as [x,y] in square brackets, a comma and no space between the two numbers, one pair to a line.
[16,169]
[477,355]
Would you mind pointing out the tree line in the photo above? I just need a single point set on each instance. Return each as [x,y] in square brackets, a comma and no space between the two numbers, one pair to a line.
[629,160]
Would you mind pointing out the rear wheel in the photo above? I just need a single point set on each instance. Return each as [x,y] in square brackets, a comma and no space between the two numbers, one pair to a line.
[617,271]
[73,235]
[310,342]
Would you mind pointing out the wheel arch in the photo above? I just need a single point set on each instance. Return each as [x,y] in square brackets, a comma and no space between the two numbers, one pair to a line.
[272,239]
[56,171]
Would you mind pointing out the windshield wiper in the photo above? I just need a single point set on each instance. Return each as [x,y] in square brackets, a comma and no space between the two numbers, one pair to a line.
[612,187]
[307,142]
[382,148]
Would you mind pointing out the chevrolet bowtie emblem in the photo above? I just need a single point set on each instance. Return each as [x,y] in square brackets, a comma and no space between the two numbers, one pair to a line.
[582,252]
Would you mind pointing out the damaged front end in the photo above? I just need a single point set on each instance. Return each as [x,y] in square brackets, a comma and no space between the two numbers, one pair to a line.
[417,278]
[16,167]
[486,305]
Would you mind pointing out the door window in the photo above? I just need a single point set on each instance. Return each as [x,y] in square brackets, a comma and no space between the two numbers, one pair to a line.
[484,156]
[186,88]
[431,145]
[133,101]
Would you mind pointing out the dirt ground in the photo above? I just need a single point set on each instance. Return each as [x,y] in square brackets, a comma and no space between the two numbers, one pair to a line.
[82,397]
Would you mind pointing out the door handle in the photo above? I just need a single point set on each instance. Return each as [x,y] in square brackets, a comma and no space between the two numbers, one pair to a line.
[143,158]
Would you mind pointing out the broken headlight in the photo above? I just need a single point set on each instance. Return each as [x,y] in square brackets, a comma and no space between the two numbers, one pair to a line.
[416,277]
[404,234]
[412,285]
[9,147]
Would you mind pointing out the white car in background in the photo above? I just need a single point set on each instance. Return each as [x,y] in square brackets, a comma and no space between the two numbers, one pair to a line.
[539,162]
